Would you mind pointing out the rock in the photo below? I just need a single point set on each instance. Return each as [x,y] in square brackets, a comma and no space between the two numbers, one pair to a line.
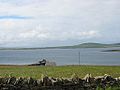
[107,78]
[25,81]
[4,80]
[53,80]
[66,81]
[35,83]
[58,82]
[30,80]
[76,80]
[39,82]
[98,79]
[19,81]
[11,80]
[46,81]
[88,78]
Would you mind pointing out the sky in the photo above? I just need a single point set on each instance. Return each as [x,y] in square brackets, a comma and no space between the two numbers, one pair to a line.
[41,23]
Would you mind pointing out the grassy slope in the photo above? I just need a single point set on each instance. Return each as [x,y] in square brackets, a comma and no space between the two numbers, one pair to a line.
[59,71]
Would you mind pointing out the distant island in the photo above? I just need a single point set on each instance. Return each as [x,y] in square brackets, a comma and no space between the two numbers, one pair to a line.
[88,45]
[83,45]
[114,50]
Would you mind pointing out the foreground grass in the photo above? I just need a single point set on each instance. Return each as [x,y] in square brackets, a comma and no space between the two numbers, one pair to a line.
[58,71]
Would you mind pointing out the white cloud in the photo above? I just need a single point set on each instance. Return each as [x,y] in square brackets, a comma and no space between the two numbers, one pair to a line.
[46,34]
[57,20]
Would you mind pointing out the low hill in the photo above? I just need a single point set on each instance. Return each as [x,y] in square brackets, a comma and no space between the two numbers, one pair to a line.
[83,45]
[87,45]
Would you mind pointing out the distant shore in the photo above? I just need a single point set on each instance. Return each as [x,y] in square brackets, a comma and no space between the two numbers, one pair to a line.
[114,50]
[29,65]
[82,45]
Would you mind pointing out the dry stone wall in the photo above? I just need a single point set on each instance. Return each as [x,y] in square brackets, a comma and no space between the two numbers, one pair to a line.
[49,83]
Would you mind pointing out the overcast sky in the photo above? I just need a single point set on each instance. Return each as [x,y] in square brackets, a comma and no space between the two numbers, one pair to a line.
[40,23]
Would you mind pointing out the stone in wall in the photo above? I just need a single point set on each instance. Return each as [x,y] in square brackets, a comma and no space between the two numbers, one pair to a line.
[50,83]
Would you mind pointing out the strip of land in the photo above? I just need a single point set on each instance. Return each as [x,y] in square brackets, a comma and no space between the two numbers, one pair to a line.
[83,45]
[114,50]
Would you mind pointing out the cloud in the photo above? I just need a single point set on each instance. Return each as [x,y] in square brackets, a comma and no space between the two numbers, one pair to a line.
[15,17]
[39,33]
[44,21]
[46,34]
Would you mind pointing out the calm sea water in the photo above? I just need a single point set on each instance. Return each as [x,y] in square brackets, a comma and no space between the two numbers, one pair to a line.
[91,56]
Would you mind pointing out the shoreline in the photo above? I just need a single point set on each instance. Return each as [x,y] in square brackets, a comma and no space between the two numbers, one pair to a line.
[55,66]
[113,50]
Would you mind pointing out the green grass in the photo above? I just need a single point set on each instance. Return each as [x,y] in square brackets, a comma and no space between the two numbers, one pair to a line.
[58,71]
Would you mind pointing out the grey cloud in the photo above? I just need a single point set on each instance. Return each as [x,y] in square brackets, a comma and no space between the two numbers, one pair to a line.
[60,21]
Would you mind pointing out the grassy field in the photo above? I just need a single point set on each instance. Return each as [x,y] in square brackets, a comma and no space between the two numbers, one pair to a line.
[58,71]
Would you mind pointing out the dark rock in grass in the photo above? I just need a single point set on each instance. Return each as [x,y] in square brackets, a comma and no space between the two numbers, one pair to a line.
[35,83]
[76,80]
[110,81]
[39,83]
[98,79]
[58,82]
[19,81]
[66,82]
[8,87]
[30,80]
[108,78]
[25,81]
[117,82]
[0,80]
[46,81]
[11,80]
[53,81]
[88,78]
[4,80]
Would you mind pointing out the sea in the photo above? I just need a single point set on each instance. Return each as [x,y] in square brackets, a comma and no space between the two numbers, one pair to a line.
[82,56]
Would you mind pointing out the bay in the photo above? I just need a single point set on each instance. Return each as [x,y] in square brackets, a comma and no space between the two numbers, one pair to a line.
[88,56]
